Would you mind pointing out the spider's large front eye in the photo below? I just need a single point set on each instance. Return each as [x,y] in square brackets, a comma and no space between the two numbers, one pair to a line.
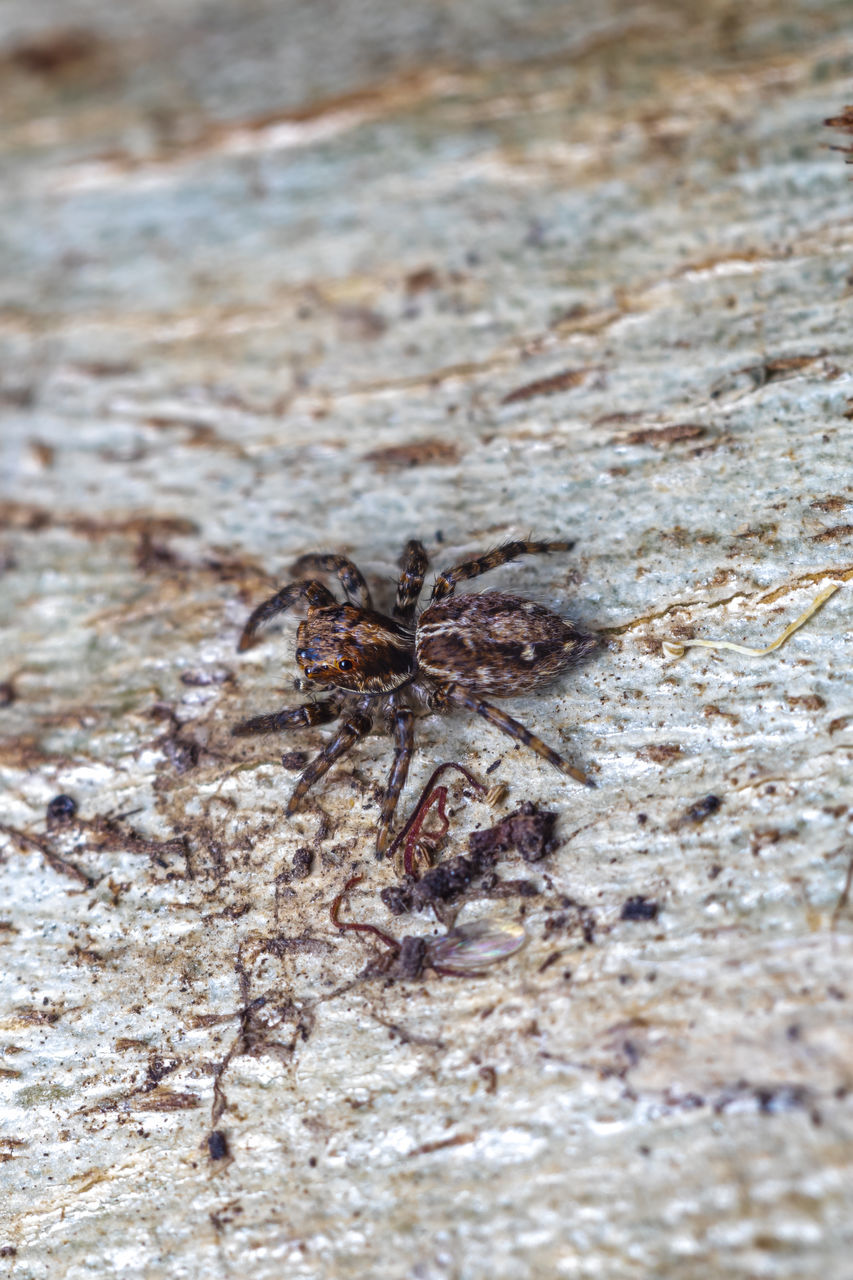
[345,664]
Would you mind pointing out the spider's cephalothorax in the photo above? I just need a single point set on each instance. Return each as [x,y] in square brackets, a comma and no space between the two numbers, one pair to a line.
[457,649]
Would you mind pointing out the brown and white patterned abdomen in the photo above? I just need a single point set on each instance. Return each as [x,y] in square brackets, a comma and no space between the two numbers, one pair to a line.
[495,643]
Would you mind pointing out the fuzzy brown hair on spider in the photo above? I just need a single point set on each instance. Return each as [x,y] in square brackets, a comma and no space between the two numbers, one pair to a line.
[450,654]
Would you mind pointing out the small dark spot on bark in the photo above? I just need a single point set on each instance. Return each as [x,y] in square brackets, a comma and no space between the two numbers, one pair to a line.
[181,754]
[767,835]
[420,280]
[703,809]
[294,759]
[60,52]
[833,502]
[490,1076]
[397,898]
[200,679]
[808,702]
[359,323]
[661,752]
[836,532]
[303,860]
[168,1100]
[429,452]
[61,809]
[549,386]
[217,1145]
[152,555]
[660,436]
[639,908]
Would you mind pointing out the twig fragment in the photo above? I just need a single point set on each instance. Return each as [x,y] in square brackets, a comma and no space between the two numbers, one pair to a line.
[671,649]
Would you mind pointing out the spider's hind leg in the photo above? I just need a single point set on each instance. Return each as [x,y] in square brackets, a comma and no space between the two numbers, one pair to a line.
[515,729]
[445,583]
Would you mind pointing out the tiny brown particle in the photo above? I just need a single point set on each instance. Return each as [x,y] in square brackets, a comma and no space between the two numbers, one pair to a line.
[547,386]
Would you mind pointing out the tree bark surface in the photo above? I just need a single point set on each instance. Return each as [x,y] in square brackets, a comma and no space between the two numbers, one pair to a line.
[286,277]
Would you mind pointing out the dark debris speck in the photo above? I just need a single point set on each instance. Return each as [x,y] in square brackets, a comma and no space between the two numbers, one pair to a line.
[217,1145]
[639,908]
[527,830]
[303,861]
[294,759]
[703,809]
[61,809]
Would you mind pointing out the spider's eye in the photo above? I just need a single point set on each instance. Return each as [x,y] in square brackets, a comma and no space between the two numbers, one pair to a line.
[301,655]
[345,664]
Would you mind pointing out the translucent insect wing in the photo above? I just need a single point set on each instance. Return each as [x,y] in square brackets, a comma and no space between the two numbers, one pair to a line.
[475,945]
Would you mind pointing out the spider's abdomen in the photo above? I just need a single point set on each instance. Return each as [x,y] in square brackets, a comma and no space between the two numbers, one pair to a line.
[495,643]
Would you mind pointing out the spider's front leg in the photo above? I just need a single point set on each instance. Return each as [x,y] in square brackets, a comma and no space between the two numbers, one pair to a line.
[315,593]
[514,729]
[303,717]
[403,724]
[350,578]
[445,583]
[356,725]
[413,564]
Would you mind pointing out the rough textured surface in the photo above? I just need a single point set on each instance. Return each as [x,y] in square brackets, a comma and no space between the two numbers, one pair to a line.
[280,277]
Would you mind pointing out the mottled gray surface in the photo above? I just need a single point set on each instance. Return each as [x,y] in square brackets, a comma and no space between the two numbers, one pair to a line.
[269,276]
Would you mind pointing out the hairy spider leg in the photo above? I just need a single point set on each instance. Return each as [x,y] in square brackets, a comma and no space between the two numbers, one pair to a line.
[291,718]
[413,564]
[350,578]
[514,729]
[445,583]
[403,725]
[356,725]
[315,593]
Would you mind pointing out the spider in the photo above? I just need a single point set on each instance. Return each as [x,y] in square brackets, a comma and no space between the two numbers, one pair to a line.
[457,649]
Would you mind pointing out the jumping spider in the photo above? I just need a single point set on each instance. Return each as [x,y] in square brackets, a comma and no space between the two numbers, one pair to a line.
[457,649]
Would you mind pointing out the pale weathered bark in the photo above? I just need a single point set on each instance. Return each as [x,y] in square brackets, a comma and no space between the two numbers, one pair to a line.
[282,277]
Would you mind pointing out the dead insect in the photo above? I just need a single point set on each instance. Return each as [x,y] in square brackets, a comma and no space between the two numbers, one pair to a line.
[424,843]
[528,830]
[457,649]
[462,952]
